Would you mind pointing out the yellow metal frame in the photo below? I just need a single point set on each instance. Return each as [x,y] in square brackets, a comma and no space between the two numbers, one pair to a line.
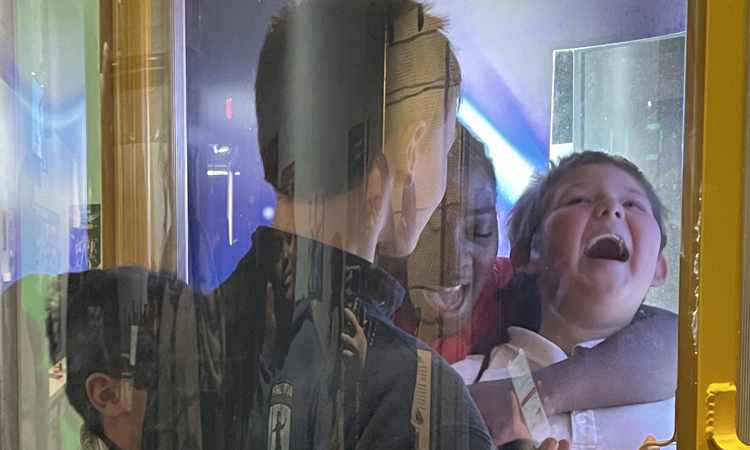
[137,178]
[710,284]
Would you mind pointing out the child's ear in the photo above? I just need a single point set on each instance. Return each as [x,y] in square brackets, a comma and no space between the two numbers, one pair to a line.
[378,192]
[415,134]
[106,394]
[661,271]
[401,152]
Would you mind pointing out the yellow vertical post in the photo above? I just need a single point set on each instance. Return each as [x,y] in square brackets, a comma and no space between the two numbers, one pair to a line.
[712,260]
[138,207]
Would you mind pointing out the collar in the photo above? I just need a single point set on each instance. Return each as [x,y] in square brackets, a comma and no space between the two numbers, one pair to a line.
[92,438]
[323,265]
[541,350]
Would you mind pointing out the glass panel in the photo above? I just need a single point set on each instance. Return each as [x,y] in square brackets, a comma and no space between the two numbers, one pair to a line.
[644,123]
[86,182]
[237,224]
[50,199]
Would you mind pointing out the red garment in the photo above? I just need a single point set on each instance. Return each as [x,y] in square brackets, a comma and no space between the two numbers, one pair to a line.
[484,328]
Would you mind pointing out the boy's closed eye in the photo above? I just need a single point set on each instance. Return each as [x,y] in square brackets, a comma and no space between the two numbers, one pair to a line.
[578,200]
[633,204]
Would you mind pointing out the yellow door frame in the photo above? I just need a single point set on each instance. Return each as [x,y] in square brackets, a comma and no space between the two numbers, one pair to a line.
[711,263]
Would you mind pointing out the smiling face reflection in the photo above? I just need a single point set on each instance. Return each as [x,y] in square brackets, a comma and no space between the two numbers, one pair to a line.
[445,291]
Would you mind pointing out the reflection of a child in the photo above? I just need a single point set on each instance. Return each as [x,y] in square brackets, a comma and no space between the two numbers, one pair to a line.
[111,386]
[596,236]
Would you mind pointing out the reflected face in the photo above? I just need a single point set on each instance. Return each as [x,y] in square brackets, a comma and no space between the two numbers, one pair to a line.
[445,291]
[430,176]
[421,101]
[125,427]
[418,158]
[600,243]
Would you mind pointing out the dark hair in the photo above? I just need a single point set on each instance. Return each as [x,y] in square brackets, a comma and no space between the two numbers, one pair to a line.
[98,312]
[479,158]
[529,212]
[319,91]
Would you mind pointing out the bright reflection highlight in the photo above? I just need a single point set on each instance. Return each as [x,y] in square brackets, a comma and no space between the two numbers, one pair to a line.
[512,171]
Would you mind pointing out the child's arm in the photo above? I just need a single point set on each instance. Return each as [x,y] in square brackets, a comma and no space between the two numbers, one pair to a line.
[642,358]
[636,365]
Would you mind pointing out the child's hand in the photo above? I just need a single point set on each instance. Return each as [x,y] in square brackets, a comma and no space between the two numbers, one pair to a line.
[354,346]
[498,404]
[554,444]
[649,440]
[526,444]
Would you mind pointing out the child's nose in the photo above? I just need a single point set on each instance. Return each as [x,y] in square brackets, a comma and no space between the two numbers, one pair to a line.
[607,208]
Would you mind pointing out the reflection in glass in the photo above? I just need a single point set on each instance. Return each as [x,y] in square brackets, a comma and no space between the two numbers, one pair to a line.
[291,185]
[453,274]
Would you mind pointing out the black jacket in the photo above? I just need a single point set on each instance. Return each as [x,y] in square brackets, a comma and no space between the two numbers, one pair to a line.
[272,375]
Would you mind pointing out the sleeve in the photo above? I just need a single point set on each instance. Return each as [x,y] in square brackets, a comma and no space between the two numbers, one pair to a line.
[189,408]
[231,337]
[173,417]
[413,399]
[456,422]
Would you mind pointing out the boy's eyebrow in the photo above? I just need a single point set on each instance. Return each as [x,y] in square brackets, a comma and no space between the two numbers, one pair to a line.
[566,187]
[637,191]
[559,191]
[563,188]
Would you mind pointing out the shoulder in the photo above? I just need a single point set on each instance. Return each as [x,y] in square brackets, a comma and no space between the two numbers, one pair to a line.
[396,354]
[390,345]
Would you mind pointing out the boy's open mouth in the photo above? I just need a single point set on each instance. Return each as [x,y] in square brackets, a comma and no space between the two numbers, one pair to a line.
[607,246]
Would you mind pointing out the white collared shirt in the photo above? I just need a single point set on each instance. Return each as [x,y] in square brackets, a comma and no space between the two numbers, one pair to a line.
[616,428]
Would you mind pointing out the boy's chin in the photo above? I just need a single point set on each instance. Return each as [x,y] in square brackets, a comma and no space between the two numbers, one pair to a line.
[602,316]
[606,277]
[599,288]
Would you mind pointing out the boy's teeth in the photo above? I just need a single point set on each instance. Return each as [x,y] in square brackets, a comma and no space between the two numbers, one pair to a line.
[607,246]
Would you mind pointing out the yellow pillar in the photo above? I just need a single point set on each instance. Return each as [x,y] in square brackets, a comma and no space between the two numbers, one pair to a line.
[711,271]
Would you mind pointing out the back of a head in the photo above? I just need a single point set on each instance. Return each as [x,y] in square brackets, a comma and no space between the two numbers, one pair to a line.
[94,322]
[320,92]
